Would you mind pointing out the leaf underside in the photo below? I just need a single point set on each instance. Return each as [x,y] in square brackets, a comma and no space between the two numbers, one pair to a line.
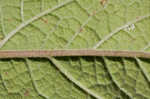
[75,24]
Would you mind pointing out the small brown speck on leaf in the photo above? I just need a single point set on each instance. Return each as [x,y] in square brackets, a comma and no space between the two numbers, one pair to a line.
[26,93]
[6,73]
[80,30]
[9,20]
[45,20]
[94,13]
[137,17]
[103,2]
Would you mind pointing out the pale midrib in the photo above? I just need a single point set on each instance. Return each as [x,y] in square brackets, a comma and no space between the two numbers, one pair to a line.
[81,52]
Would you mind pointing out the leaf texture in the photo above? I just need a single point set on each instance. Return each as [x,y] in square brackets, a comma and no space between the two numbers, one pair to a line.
[75,24]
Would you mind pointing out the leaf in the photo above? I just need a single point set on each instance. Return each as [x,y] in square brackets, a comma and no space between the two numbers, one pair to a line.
[75,24]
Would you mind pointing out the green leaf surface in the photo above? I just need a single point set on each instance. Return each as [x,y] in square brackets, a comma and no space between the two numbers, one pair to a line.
[75,24]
